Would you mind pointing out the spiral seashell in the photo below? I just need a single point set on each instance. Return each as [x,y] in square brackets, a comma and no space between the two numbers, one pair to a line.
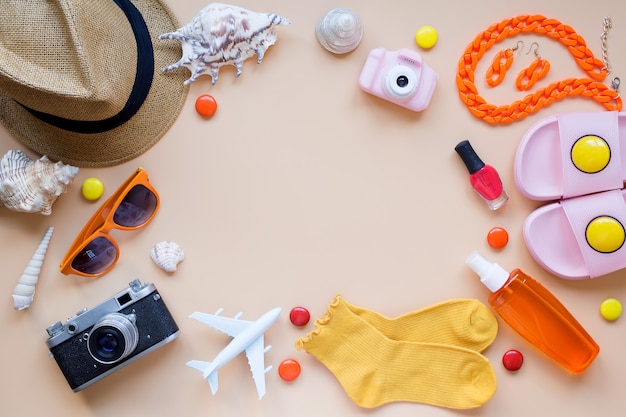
[167,255]
[339,31]
[24,291]
[32,186]
[221,34]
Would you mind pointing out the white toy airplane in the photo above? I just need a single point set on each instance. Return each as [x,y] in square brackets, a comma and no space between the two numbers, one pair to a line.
[247,336]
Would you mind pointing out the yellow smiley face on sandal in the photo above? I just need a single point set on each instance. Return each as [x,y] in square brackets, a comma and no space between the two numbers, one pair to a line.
[591,154]
[605,234]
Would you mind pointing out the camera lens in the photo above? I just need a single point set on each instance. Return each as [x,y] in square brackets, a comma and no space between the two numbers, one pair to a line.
[108,342]
[401,82]
[113,338]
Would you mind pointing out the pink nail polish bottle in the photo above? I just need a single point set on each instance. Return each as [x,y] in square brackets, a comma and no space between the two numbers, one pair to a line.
[484,178]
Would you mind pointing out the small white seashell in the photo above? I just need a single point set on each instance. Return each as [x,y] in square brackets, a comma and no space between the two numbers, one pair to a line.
[221,34]
[25,289]
[167,255]
[339,31]
[32,186]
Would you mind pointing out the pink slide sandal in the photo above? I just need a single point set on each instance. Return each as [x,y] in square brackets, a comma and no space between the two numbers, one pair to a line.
[580,237]
[572,154]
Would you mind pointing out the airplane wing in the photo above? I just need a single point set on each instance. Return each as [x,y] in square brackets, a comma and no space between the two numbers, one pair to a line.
[230,326]
[256,359]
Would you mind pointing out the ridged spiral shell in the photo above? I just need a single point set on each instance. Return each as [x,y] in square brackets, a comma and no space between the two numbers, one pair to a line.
[32,186]
[221,34]
[339,31]
[167,255]
[24,291]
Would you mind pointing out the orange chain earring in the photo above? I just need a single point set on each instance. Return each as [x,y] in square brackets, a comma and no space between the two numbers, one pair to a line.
[501,63]
[536,71]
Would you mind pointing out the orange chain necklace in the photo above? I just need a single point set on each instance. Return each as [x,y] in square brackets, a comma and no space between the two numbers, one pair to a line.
[543,97]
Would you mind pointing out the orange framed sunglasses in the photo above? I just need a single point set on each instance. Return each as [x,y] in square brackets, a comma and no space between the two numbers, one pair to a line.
[94,252]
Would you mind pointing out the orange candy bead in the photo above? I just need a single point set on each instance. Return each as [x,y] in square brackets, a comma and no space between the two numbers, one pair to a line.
[289,369]
[497,237]
[206,106]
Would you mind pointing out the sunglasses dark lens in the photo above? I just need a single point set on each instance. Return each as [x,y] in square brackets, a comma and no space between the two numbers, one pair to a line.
[96,257]
[136,208]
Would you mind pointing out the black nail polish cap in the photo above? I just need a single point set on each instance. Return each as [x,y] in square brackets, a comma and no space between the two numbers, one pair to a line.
[468,155]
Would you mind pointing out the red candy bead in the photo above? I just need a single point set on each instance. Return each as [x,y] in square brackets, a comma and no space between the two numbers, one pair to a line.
[289,369]
[512,360]
[299,316]
[206,106]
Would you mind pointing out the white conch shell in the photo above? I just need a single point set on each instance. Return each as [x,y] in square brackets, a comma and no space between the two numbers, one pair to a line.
[32,186]
[221,34]
[24,291]
[167,255]
[339,31]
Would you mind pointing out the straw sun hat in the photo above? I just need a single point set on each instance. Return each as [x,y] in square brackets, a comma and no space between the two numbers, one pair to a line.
[81,80]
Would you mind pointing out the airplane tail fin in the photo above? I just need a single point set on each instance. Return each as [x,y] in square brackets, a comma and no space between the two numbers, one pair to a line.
[208,372]
[213,381]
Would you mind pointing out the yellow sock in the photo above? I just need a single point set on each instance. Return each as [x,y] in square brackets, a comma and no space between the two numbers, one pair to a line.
[374,369]
[461,322]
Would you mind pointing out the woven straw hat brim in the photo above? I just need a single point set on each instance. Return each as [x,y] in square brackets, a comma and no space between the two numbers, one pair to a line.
[159,111]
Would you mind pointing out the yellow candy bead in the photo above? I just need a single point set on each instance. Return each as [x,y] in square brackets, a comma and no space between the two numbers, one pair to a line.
[611,309]
[591,154]
[92,188]
[426,37]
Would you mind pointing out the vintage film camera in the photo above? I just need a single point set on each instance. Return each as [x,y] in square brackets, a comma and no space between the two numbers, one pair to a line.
[95,343]
[400,77]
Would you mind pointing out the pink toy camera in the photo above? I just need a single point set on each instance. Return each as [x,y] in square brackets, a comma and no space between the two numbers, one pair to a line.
[399,77]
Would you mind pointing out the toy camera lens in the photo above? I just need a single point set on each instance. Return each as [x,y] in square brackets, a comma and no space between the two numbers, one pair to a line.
[401,82]
[113,338]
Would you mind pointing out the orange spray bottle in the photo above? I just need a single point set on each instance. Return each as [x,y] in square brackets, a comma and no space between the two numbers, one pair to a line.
[536,314]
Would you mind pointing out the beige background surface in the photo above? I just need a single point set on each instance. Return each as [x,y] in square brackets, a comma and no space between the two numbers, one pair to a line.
[301,187]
